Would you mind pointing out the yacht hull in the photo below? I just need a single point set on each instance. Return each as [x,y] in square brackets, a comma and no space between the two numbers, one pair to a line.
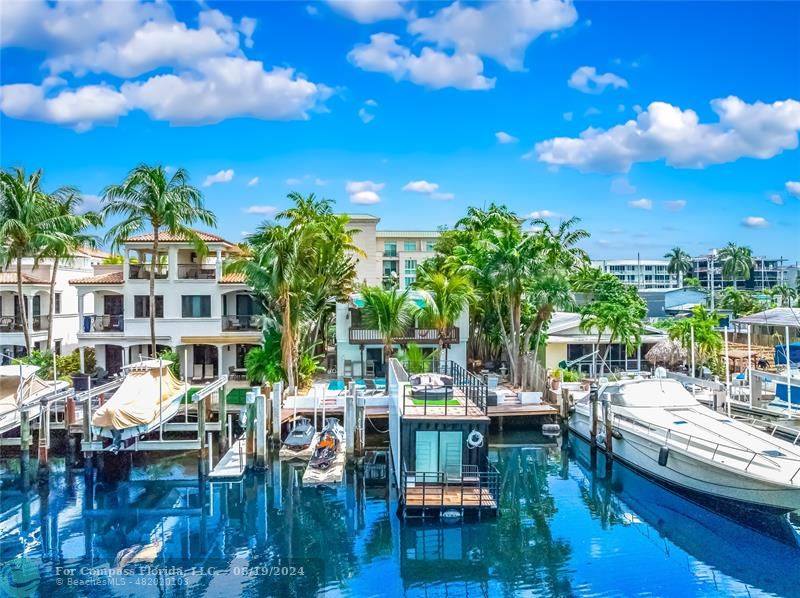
[685,473]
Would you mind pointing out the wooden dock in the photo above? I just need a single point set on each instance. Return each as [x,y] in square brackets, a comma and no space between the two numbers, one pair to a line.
[232,464]
[456,497]
[521,410]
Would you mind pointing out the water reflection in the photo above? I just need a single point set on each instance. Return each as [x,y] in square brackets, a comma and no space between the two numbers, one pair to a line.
[565,529]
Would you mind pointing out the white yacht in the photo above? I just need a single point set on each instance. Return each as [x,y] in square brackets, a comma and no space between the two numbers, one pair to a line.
[659,429]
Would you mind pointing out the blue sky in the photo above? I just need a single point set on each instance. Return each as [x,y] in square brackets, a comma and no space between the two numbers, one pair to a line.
[659,124]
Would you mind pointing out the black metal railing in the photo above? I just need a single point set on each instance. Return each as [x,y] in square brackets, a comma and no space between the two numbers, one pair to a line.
[237,322]
[358,335]
[142,271]
[104,323]
[14,324]
[197,271]
[471,488]
[466,394]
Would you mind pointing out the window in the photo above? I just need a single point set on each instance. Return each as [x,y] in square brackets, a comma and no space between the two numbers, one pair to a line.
[57,305]
[196,306]
[409,246]
[141,306]
[430,245]
[58,347]
[390,248]
[410,272]
[390,266]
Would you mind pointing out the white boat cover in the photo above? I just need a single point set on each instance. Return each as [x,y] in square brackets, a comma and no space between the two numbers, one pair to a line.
[136,402]
[10,386]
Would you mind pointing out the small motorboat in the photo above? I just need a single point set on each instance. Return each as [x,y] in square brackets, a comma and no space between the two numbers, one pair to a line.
[329,440]
[300,436]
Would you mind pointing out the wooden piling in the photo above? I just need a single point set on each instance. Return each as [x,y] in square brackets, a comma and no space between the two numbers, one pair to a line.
[261,431]
[593,406]
[223,421]
[44,439]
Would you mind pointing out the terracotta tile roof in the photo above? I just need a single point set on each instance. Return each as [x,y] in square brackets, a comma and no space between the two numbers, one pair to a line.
[11,278]
[92,252]
[107,278]
[169,238]
[233,278]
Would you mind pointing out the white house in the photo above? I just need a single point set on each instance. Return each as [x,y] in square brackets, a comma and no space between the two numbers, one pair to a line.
[36,290]
[208,317]
[566,343]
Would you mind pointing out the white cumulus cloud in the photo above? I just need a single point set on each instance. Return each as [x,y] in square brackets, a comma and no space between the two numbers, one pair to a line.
[252,182]
[543,214]
[369,11]
[364,192]
[793,187]
[666,132]
[421,186]
[641,204]
[498,30]
[430,68]
[588,80]
[675,205]
[222,176]
[503,137]
[260,209]
[755,222]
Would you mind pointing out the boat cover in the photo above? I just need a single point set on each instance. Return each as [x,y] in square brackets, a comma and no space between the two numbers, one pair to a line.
[136,402]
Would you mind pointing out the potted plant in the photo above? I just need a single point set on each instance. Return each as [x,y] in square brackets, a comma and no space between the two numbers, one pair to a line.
[555,381]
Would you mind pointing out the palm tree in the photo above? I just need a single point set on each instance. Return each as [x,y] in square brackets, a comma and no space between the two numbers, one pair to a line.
[446,298]
[737,262]
[389,312]
[149,199]
[28,224]
[66,201]
[784,293]
[680,263]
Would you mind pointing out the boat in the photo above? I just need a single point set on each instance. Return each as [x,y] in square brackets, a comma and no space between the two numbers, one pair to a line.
[300,436]
[329,440]
[149,395]
[431,386]
[20,391]
[660,430]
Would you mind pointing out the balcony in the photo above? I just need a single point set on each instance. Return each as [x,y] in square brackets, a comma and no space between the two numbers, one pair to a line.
[14,324]
[464,395]
[103,323]
[142,271]
[237,322]
[197,271]
[469,488]
[425,336]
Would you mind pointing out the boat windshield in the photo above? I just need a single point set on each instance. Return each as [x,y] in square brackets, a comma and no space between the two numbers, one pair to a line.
[654,392]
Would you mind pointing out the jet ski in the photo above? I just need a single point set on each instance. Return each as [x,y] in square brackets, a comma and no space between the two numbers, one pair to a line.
[300,436]
[329,439]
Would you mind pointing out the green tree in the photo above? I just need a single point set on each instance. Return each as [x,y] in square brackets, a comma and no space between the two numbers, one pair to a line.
[707,341]
[28,224]
[737,262]
[618,310]
[784,294]
[680,263]
[741,303]
[692,283]
[66,202]
[446,298]
[150,199]
[389,312]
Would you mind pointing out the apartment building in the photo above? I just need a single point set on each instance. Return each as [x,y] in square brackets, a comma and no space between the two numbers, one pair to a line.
[392,256]
[765,273]
[36,292]
[208,317]
[641,273]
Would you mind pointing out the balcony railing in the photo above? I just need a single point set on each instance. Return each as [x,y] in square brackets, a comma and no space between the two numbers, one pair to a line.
[197,271]
[103,323]
[14,324]
[466,396]
[233,323]
[428,336]
[142,271]
[469,488]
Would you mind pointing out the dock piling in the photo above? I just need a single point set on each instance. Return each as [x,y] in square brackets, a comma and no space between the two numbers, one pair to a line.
[44,440]
[223,421]
[277,393]
[261,431]
[349,419]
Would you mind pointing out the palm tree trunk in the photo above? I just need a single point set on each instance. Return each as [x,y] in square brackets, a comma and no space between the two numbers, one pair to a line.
[152,310]
[22,312]
[287,344]
[51,310]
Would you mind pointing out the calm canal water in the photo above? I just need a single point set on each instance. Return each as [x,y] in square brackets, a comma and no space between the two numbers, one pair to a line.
[564,531]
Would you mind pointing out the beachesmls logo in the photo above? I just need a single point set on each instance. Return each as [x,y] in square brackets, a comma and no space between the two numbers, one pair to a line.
[19,578]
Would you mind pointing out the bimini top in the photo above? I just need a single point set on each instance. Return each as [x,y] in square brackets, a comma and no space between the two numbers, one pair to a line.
[653,392]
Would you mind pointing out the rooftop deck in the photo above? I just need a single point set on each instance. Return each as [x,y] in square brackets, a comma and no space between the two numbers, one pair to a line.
[452,392]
